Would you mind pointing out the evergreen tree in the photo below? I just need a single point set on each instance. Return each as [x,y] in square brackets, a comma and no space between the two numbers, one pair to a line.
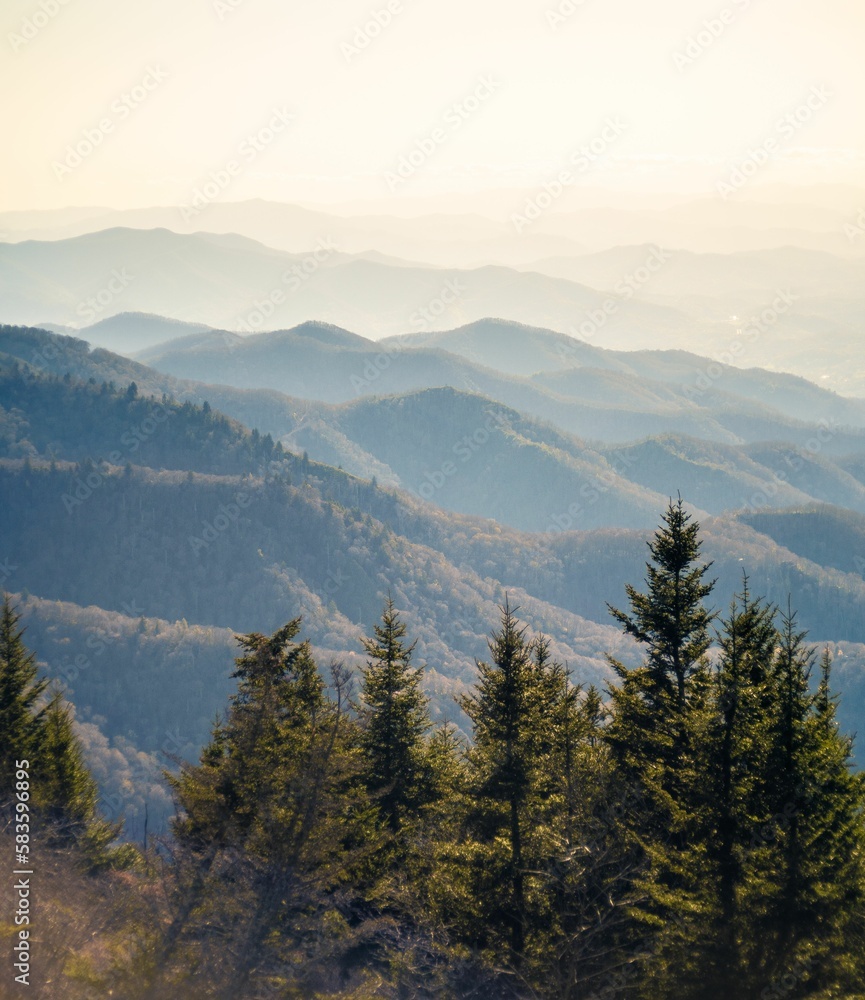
[65,788]
[256,782]
[396,723]
[589,871]
[506,764]
[835,832]
[736,751]
[433,879]
[671,619]
[656,736]
[788,783]
[272,812]
[67,796]
[544,874]
[813,841]
[21,690]
[63,793]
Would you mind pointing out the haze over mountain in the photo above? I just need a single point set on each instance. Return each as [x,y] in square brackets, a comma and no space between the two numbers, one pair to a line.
[465,232]
[232,282]
[592,392]
[772,308]
[471,450]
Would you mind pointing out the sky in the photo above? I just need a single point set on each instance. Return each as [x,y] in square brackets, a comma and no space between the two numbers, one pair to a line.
[339,102]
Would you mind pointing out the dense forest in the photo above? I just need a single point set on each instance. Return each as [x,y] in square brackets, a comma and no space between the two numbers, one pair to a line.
[694,830]
[200,440]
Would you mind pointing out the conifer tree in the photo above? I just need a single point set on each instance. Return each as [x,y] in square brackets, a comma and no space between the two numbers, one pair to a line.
[433,881]
[21,690]
[396,723]
[588,871]
[65,788]
[788,780]
[736,751]
[548,877]
[64,795]
[835,831]
[269,812]
[813,841]
[657,705]
[671,619]
[67,796]
[656,735]
[256,781]
[506,761]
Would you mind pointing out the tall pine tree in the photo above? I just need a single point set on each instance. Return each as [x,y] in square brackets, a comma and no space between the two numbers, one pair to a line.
[21,689]
[736,749]
[396,723]
[656,734]
[813,842]
[39,729]
[266,819]
[507,765]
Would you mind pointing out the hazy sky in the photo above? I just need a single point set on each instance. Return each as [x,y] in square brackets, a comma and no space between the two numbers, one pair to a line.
[478,94]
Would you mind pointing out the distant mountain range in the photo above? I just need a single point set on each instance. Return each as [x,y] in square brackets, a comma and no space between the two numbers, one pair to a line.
[458,234]
[608,442]
[235,283]
[786,308]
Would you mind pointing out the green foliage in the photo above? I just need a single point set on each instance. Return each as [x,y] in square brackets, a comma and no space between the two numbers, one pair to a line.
[65,788]
[273,806]
[21,715]
[659,714]
[64,794]
[505,711]
[272,763]
[750,822]
[396,721]
[544,875]
[816,885]
[670,620]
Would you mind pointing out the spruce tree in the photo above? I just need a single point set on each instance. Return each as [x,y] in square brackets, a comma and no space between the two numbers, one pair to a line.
[736,749]
[432,882]
[813,841]
[788,783]
[506,763]
[548,879]
[39,729]
[66,790]
[67,796]
[253,784]
[21,690]
[670,620]
[588,869]
[269,817]
[835,831]
[657,705]
[656,735]
[396,723]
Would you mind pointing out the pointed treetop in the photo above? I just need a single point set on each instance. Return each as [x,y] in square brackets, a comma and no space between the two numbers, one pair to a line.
[671,619]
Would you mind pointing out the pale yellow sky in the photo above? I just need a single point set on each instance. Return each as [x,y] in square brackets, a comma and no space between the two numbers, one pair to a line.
[163,97]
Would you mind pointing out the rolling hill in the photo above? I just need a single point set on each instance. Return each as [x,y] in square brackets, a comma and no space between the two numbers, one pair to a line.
[233,282]
[474,453]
